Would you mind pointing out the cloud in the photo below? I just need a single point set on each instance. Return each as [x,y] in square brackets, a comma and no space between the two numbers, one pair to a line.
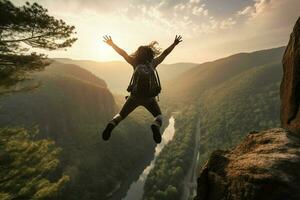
[179,7]
[213,27]
[258,7]
[198,10]
[247,11]
[174,15]
[194,1]
[227,23]
[271,14]
[266,23]
[190,17]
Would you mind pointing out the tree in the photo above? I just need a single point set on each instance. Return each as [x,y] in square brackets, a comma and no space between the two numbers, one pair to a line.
[160,195]
[22,29]
[171,192]
[26,164]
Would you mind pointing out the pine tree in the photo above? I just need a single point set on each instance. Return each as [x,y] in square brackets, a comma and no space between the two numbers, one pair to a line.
[23,28]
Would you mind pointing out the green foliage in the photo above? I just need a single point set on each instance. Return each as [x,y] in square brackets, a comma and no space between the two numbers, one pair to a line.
[165,179]
[26,164]
[72,107]
[244,103]
[195,81]
[231,97]
[32,26]
[171,192]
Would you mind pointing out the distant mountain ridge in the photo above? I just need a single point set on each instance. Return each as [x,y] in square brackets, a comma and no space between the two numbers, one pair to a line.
[204,76]
[117,74]
[76,72]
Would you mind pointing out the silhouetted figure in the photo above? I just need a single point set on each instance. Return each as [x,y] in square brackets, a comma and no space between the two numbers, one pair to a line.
[144,85]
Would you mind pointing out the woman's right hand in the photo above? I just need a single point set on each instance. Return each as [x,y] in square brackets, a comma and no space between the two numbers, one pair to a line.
[177,39]
[108,40]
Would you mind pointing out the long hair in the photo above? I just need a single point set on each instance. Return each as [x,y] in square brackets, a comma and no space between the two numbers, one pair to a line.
[146,53]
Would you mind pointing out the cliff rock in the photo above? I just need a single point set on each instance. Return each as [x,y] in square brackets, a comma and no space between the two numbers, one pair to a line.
[290,85]
[264,166]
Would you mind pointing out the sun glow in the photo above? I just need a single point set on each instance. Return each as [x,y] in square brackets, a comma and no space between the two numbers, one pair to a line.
[91,28]
[208,32]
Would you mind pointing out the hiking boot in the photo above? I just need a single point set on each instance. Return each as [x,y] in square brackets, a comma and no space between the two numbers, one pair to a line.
[107,131]
[156,133]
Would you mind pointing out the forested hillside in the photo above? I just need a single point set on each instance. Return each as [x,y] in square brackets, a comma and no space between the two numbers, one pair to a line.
[28,166]
[246,102]
[230,97]
[166,178]
[72,106]
[192,83]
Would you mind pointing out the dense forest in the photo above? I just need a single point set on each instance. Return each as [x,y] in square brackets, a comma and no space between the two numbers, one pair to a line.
[71,106]
[165,180]
[247,102]
[230,97]
[28,166]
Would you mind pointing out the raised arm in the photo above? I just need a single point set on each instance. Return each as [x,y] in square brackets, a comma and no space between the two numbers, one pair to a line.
[166,52]
[108,40]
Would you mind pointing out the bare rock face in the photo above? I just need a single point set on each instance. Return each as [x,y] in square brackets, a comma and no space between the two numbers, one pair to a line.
[266,165]
[290,85]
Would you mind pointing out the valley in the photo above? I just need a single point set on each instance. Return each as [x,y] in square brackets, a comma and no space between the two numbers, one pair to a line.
[72,104]
[229,97]
[226,101]
[71,107]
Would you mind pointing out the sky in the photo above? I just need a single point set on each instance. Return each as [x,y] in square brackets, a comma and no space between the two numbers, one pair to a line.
[211,29]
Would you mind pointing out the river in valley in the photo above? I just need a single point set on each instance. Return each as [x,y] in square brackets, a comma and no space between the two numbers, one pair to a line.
[136,189]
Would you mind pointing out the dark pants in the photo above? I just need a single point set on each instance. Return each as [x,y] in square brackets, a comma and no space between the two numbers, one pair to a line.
[133,102]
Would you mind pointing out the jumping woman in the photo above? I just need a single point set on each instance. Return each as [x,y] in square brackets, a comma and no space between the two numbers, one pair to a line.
[144,85]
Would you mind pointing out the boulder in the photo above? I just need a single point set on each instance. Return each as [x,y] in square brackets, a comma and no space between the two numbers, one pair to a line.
[290,85]
[264,166]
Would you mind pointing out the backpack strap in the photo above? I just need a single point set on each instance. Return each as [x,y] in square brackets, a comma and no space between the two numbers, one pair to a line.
[158,81]
[156,74]
[131,80]
[130,83]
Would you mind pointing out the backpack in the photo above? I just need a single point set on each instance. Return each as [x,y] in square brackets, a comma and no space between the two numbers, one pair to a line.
[144,81]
